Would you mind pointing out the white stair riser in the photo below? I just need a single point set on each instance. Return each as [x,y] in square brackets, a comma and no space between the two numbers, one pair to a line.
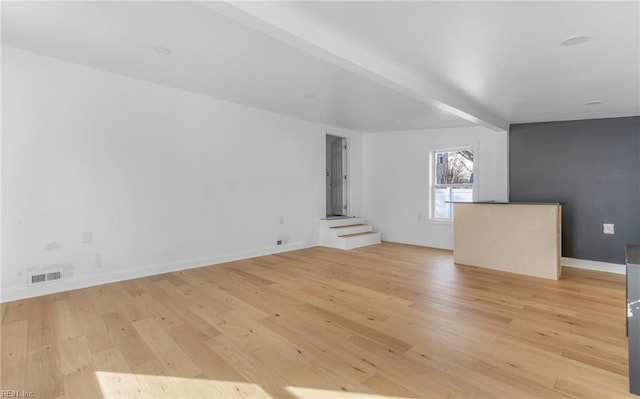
[341,222]
[352,242]
[343,231]
[361,241]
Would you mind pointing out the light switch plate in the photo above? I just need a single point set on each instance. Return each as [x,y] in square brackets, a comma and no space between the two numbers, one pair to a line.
[87,237]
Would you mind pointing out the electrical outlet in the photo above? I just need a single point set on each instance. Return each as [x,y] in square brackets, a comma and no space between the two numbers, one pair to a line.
[607,228]
[281,219]
[87,237]
[282,240]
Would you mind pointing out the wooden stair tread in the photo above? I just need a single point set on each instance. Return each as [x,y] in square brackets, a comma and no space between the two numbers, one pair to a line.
[349,225]
[358,234]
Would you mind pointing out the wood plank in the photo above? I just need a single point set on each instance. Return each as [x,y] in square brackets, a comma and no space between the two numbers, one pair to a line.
[81,385]
[127,339]
[43,372]
[194,345]
[78,369]
[173,358]
[268,378]
[388,387]
[65,323]
[15,311]
[75,356]
[92,324]
[115,377]
[41,332]
[14,355]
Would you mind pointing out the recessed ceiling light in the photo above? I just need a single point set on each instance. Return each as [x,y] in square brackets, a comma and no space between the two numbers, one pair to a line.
[309,96]
[162,50]
[575,40]
[594,102]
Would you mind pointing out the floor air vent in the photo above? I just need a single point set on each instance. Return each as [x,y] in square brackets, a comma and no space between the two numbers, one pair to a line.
[45,277]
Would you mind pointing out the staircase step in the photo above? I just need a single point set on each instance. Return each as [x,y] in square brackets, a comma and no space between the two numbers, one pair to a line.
[347,232]
[360,240]
[350,229]
[342,221]
[359,234]
[346,226]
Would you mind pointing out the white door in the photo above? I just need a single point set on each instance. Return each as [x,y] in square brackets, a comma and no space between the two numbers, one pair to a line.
[338,183]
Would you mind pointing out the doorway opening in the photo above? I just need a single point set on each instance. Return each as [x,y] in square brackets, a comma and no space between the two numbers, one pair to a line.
[336,176]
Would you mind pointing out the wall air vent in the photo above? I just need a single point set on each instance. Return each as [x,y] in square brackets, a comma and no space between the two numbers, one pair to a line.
[45,277]
[38,278]
[57,275]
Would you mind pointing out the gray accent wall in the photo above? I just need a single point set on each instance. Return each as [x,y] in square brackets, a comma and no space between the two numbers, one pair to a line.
[593,167]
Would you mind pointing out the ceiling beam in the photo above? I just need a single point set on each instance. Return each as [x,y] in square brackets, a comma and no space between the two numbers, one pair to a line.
[282,23]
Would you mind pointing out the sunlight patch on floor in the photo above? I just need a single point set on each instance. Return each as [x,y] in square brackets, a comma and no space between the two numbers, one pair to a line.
[128,385]
[314,393]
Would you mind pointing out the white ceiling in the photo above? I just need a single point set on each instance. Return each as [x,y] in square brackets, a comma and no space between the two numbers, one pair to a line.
[507,55]
[364,66]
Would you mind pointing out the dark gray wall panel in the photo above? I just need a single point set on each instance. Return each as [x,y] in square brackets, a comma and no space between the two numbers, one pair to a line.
[593,166]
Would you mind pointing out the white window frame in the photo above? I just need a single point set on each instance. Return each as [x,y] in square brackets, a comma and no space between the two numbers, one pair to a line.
[473,146]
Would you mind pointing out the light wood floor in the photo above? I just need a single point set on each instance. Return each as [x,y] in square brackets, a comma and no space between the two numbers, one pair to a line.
[389,320]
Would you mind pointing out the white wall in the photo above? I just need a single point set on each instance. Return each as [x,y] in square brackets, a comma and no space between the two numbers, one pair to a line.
[165,179]
[396,184]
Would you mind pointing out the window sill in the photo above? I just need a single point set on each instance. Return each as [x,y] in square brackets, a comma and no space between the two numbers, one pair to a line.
[440,221]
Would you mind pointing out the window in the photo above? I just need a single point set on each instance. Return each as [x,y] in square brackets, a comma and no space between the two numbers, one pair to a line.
[452,180]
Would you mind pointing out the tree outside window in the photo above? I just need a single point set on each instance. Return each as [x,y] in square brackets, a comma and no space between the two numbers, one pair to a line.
[453,180]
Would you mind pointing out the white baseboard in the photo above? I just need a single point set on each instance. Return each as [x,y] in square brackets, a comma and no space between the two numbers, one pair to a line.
[594,265]
[73,283]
